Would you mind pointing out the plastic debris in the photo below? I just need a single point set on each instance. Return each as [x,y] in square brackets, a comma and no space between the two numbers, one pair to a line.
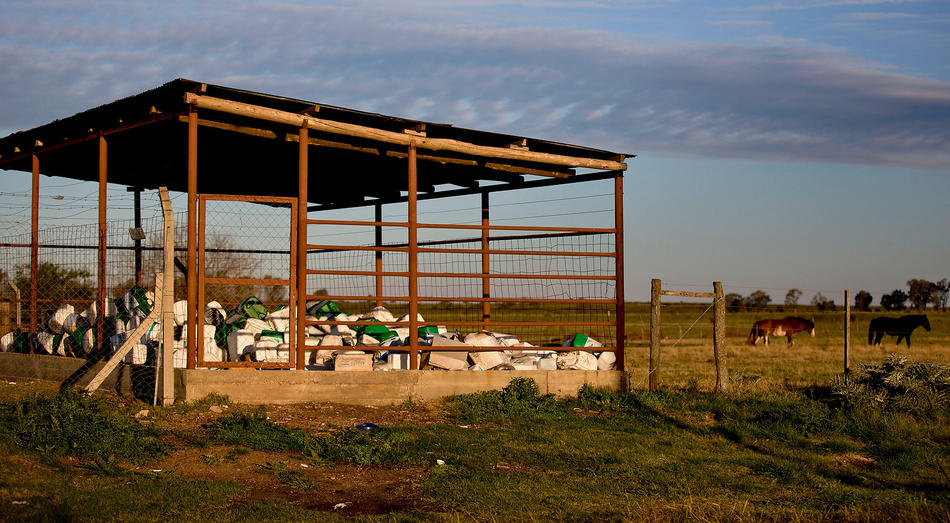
[367,426]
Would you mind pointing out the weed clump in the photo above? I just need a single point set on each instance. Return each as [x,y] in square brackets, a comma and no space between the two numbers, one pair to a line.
[919,387]
[521,399]
[257,431]
[363,447]
[74,423]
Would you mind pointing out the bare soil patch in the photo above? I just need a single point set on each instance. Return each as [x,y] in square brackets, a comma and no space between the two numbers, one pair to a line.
[342,488]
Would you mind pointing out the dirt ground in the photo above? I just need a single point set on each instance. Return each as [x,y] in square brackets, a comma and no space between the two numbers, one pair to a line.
[345,489]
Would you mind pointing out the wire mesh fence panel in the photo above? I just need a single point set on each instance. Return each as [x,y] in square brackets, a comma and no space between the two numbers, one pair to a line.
[67,315]
[245,281]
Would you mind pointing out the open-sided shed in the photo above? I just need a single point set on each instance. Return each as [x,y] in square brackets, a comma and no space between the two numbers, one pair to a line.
[220,144]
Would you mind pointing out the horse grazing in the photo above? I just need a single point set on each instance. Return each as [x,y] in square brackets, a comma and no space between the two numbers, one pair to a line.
[786,326]
[901,327]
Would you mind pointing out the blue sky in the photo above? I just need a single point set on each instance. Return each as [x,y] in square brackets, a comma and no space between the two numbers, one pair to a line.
[781,143]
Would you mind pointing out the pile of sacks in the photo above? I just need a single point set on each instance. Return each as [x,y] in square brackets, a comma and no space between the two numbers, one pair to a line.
[251,332]
[72,332]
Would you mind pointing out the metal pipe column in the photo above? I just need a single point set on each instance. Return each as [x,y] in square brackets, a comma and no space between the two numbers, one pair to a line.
[192,317]
[101,274]
[34,245]
[618,269]
[413,267]
[303,166]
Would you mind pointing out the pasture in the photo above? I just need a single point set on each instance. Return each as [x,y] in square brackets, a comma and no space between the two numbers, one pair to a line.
[809,361]
[789,441]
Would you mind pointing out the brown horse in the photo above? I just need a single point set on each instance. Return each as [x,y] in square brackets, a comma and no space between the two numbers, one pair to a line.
[786,326]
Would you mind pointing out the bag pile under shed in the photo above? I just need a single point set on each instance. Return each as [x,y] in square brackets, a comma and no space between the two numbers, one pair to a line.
[252,332]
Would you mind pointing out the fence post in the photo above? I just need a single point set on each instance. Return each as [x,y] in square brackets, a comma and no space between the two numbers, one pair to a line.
[654,334]
[167,364]
[847,331]
[719,338]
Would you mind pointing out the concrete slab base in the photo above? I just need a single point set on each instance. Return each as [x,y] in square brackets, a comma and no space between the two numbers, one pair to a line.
[372,388]
[300,386]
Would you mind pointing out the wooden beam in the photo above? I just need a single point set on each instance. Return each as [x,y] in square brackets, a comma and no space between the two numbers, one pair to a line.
[250,131]
[689,294]
[396,138]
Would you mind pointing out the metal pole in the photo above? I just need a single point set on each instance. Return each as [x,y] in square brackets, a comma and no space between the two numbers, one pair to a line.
[192,318]
[413,267]
[34,245]
[719,338]
[303,167]
[101,280]
[137,216]
[379,255]
[486,264]
[655,287]
[618,247]
[847,331]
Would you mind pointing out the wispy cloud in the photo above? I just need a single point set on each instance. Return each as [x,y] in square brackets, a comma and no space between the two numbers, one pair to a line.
[780,101]
[874,16]
[821,4]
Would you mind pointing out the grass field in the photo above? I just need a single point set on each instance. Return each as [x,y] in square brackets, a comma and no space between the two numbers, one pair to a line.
[868,450]
[689,361]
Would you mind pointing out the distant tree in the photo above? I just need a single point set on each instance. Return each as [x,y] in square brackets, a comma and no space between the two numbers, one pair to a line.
[757,300]
[940,294]
[919,292]
[939,297]
[733,301]
[823,304]
[894,301]
[57,284]
[791,298]
[862,301]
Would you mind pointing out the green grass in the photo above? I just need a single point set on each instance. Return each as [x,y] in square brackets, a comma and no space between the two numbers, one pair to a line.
[779,453]
[76,424]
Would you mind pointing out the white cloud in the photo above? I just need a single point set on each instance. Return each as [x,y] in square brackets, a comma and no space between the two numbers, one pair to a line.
[780,102]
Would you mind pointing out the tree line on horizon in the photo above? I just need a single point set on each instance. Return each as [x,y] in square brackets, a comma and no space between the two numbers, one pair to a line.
[920,293]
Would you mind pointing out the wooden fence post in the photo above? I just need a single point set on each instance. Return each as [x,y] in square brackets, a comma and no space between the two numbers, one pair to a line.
[655,287]
[719,337]
[847,331]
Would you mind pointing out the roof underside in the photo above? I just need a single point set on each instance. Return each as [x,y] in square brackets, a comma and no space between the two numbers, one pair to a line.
[247,144]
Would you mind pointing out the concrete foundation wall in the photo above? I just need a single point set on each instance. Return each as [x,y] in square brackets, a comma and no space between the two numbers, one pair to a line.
[76,371]
[293,386]
[372,388]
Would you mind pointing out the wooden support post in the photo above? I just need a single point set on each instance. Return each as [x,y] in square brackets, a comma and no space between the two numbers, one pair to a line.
[167,367]
[622,363]
[192,315]
[655,287]
[101,273]
[131,339]
[303,171]
[719,338]
[486,264]
[379,255]
[34,246]
[847,331]
[413,267]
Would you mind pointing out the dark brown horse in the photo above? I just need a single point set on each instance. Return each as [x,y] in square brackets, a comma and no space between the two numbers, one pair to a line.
[901,327]
[786,326]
